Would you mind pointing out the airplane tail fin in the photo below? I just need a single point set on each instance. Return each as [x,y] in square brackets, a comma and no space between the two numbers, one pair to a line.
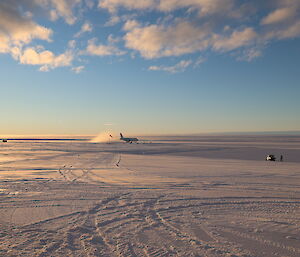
[121,135]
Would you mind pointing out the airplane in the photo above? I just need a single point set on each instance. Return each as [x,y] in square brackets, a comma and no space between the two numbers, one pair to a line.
[128,139]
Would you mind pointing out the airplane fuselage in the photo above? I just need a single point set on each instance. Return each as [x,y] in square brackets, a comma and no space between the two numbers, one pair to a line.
[128,139]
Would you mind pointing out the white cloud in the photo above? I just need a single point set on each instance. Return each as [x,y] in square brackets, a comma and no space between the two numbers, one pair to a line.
[78,69]
[46,59]
[63,8]
[219,25]
[236,40]
[179,67]
[279,15]
[130,25]
[72,44]
[112,40]
[199,61]
[283,22]
[102,50]
[291,30]
[204,7]
[89,3]
[54,8]
[203,25]
[86,27]
[250,54]
[155,41]
[4,44]
[17,29]
[53,15]
[15,51]
[112,21]
[113,5]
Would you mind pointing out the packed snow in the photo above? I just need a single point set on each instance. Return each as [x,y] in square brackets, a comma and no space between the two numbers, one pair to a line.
[166,196]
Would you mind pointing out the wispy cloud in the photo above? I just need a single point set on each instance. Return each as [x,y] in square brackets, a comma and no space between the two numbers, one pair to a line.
[250,54]
[86,27]
[113,5]
[199,61]
[203,6]
[78,69]
[279,15]
[102,50]
[236,39]
[112,21]
[60,8]
[178,67]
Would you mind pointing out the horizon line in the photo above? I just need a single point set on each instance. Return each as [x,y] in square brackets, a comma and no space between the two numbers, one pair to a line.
[51,136]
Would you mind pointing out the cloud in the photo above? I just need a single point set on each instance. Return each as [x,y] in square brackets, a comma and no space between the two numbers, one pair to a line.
[283,22]
[130,25]
[204,7]
[199,61]
[62,8]
[102,50]
[86,27]
[279,15]
[72,44]
[156,41]
[78,69]
[236,40]
[89,3]
[179,67]
[113,5]
[250,54]
[112,21]
[17,29]
[54,9]
[112,40]
[218,25]
[44,58]
[289,31]
[150,28]
[4,44]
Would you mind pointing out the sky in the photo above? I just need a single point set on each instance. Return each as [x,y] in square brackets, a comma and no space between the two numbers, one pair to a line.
[149,66]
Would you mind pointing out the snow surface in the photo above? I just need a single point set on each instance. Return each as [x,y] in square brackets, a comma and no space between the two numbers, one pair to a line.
[169,196]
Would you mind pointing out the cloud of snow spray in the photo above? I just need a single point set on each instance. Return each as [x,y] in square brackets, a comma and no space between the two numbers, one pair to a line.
[105,137]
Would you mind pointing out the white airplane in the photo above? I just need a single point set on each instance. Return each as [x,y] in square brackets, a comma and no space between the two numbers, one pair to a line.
[128,139]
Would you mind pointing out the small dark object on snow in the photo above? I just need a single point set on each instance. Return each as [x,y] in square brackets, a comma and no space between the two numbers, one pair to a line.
[271,157]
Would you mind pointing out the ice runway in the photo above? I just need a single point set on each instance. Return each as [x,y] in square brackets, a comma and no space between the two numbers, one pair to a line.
[201,196]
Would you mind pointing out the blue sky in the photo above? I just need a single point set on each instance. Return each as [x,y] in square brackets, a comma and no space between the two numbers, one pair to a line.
[149,67]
